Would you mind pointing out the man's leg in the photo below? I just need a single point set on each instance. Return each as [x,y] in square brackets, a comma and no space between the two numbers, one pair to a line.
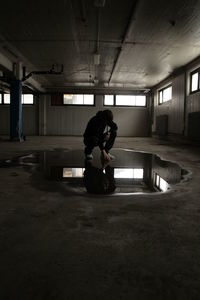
[90,143]
[111,141]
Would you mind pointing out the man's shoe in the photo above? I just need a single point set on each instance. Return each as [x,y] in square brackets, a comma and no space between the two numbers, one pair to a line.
[112,157]
[89,156]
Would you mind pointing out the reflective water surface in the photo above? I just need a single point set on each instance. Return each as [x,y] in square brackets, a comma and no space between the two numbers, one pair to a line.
[130,172]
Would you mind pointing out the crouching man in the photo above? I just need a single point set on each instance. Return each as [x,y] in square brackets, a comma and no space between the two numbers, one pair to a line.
[101,131]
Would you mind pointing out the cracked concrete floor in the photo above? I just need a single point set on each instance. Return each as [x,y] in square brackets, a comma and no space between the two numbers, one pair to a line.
[55,246]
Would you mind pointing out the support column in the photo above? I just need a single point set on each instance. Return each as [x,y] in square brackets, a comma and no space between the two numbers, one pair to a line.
[16,111]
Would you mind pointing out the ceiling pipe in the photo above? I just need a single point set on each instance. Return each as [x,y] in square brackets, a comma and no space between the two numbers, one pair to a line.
[125,36]
[50,72]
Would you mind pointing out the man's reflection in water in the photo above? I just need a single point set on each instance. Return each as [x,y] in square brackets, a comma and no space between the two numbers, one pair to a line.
[98,182]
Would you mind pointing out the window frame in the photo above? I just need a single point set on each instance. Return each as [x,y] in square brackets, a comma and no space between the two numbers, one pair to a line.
[162,90]
[29,103]
[130,178]
[156,177]
[191,74]
[26,104]
[79,105]
[72,177]
[2,99]
[115,105]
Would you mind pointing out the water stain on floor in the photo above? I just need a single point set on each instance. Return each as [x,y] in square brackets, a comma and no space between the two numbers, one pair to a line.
[129,172]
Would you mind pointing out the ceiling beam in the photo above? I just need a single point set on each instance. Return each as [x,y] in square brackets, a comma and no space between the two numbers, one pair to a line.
[124,38]
[5,63]
[74,27]
[9,55]
[34,85]
[83,11]
[96,89]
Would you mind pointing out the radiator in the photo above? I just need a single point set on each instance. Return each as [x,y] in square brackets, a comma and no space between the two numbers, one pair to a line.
[194,126]
[162,125]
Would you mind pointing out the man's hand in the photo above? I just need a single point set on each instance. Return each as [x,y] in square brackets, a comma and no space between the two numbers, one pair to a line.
[104,164]
[107,136]
[105,156]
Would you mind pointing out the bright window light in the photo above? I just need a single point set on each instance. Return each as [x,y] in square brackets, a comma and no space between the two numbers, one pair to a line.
[78,99]
[157,180]
[163,185]
[195,80]
[123,173]
[138,173]
[109,100]
[161,97]
[167,94]
[67,172]
[125,100]
[128,173]
[140,100]
[68,99]
[6,98]
[27,99]
[88,99]
[0,98]
[73,172]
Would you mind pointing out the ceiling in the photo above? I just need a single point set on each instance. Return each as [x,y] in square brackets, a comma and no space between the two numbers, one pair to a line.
[139,43]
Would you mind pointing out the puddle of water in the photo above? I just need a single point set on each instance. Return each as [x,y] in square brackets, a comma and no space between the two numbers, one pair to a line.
[130,172]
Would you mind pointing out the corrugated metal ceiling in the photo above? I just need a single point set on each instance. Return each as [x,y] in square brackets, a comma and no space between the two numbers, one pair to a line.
[140,42]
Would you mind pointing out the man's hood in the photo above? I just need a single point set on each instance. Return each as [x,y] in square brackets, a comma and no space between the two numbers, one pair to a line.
[100,114]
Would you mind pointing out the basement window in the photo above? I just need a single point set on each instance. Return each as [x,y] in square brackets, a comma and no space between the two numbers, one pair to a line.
[129,173]
[165,94]
[160,183]
[125,100]
[26,99]
[78,99]
[195,81]
[6,99]
[109,100]
[73,172]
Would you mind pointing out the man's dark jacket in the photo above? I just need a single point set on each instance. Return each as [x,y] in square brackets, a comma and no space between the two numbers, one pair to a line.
[96,126]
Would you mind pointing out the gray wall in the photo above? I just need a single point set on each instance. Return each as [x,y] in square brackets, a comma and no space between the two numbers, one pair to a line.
[192,100]
[45,119]
[174,108]
[72,120]
[182,102]
[30,119]
[4,119]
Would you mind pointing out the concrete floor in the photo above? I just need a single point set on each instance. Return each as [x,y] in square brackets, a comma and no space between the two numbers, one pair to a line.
[55,246]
